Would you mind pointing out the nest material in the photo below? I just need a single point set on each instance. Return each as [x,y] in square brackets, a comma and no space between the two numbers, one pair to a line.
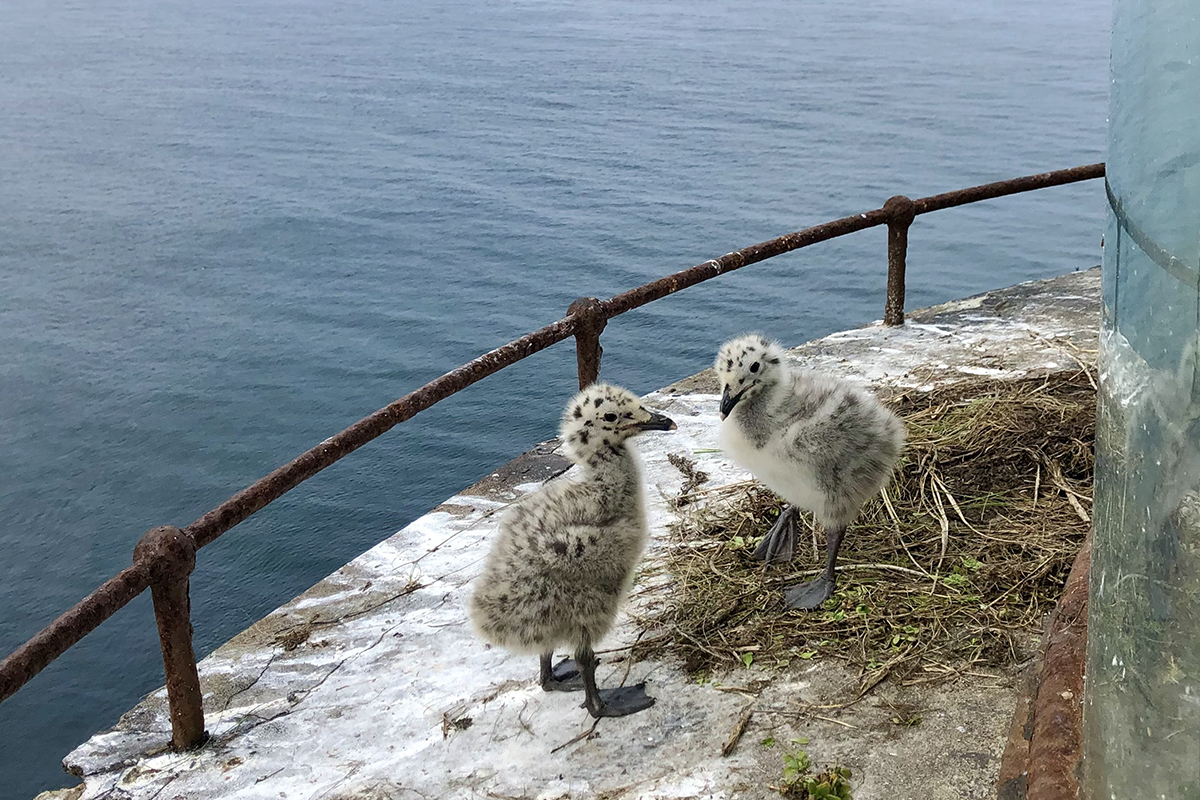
[954,565]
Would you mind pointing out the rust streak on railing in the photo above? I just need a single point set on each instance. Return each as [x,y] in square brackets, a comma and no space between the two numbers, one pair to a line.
[655,290]
[36,654]
[989,191]
[170,556]
[588,351]
[56,638]
[205,530]
[900,211]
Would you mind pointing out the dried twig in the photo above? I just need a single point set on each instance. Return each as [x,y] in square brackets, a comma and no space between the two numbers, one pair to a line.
[739,728]
[578,738]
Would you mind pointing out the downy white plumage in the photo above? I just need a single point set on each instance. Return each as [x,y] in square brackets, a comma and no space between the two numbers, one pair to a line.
[819,442]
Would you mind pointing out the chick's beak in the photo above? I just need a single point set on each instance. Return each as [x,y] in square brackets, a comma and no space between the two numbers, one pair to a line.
[657,422]
[729,401]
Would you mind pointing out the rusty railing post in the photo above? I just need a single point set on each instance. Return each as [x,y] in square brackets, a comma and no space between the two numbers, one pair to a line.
[170,556]
[588,351]
[165,557]
[900,213]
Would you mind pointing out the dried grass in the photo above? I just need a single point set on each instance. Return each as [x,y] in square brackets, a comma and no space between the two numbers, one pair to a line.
[950,570]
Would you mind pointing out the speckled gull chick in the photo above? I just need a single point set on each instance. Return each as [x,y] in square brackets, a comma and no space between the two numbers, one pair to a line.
[817,441]
[565,556]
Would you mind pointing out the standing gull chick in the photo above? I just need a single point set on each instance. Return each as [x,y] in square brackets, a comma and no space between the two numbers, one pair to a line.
[817,441]
[565,555]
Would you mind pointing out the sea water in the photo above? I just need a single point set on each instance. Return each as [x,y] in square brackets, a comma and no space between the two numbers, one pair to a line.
[230,229]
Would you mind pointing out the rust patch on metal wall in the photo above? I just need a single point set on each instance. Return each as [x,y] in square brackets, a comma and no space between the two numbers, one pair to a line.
[1041,760]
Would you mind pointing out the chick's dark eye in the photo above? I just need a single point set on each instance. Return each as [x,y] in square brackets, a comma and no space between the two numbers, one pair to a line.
[610,417]
[754,367]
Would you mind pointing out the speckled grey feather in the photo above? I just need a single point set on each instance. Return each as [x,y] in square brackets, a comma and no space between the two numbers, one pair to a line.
[565,555]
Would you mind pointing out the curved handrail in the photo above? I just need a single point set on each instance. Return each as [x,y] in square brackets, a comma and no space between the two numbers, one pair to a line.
[249,500]
[61,635]
[164,559]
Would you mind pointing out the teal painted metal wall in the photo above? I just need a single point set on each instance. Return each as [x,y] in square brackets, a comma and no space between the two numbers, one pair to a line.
[1142,701]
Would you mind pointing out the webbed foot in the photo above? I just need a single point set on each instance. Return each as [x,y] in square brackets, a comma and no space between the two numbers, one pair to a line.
[621,702]
[563,677]
[780,542]
[809,596]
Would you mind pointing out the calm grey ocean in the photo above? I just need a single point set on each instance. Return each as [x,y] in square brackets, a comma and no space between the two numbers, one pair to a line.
[229,229]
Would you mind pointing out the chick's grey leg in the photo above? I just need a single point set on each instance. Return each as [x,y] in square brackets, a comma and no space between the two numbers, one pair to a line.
[619,702]
[562,677]
[780,543]
[810,595]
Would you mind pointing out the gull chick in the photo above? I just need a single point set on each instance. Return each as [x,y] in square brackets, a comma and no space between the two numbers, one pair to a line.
[819,442]
[565,556]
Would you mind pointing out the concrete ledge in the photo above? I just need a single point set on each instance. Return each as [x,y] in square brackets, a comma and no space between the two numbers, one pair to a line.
[371,685]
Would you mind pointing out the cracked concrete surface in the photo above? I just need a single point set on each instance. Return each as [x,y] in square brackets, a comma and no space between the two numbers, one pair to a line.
[371,685]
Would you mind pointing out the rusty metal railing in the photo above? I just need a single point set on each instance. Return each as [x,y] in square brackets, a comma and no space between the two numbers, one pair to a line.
[165,556]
